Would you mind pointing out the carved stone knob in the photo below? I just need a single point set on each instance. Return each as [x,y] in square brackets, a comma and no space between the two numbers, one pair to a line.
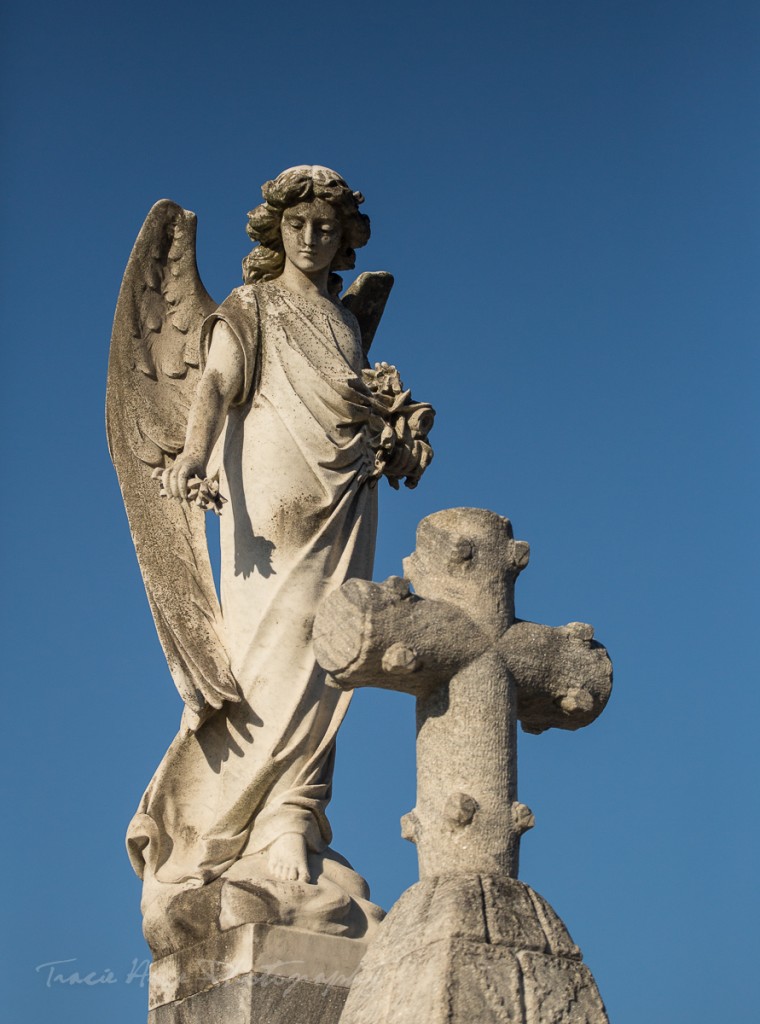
[397,585]
[577,700]
[460,808]
[580,630]
[410,827]
[522,817]
[400,658]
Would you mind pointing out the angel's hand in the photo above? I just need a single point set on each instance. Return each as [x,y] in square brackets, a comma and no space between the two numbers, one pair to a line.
[410,462]
[401,463]
[174,480]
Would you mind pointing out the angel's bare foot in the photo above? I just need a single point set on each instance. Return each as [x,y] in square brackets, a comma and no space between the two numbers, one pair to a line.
[287,858]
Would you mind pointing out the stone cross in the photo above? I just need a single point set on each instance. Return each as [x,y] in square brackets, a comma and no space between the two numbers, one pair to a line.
[475,670]
[468,942]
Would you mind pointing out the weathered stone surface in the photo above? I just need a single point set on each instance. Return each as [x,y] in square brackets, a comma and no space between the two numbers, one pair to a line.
[451,979]
[475,670]
[335,901]
[510,914]
[255,973]
[451,905]
[484,985]
[564,675]
[469,943]
[263,409]
[257,999]
[557,935]
[492,909]
[460,949]
[559,991]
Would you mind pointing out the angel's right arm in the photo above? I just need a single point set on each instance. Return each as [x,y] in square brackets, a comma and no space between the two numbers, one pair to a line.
[220,385]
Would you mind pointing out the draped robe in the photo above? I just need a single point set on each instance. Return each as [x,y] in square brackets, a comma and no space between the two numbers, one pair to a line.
[301,519]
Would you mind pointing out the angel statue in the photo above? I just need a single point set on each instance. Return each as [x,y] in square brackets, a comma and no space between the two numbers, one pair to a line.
[263,408]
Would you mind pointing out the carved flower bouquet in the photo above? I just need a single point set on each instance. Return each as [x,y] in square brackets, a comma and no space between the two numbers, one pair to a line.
[398,427]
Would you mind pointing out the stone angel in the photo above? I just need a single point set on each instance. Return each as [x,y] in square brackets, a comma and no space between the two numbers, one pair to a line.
[265,408]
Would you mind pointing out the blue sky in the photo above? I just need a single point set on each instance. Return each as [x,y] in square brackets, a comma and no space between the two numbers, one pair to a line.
[567,195]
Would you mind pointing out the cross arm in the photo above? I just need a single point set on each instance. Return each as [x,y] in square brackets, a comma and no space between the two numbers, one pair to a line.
[370,634]
[562,675]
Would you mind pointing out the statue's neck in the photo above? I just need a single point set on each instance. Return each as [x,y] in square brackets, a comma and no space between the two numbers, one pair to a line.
[307,284]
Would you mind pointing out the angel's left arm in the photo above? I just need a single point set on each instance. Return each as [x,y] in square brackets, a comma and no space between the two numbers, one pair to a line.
[220,385]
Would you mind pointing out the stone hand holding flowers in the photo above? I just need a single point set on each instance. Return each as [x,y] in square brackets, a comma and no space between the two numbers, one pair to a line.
[203,493]
[399,427]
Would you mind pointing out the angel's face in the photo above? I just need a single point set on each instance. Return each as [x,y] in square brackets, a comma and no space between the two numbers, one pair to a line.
[311,235]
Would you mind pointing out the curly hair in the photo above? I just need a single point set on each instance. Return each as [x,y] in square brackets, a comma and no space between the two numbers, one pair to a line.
[300,185]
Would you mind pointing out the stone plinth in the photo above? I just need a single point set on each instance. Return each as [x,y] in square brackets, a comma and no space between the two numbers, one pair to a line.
[473,949]
[255,974]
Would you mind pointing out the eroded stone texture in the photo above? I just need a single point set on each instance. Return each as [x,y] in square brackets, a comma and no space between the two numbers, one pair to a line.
[263,408]
[454,643]
[510,915]
[449,980]
[469,943]
[255,974]
[334,902]
[558,991]
[257,999]
[473,949]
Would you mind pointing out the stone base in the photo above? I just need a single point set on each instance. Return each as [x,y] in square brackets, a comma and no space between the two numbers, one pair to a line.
[473,949]
[255,974]
[334,902]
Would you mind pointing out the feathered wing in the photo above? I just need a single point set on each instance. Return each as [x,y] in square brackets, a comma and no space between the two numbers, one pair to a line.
[366,299]
[153,372]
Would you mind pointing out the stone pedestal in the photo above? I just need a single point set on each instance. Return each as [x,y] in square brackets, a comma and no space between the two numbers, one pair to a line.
[255,974]
[473,949]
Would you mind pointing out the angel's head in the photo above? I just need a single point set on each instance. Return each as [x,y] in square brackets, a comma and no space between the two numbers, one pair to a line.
[290,190]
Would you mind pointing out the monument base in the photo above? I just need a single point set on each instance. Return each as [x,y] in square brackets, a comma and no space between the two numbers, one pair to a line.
[460,949]
[255,973]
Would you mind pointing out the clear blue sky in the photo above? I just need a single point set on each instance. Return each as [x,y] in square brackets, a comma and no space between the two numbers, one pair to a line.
[567,194]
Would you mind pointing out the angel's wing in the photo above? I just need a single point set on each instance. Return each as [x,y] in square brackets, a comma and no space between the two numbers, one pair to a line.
[366,299]
[153,372]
